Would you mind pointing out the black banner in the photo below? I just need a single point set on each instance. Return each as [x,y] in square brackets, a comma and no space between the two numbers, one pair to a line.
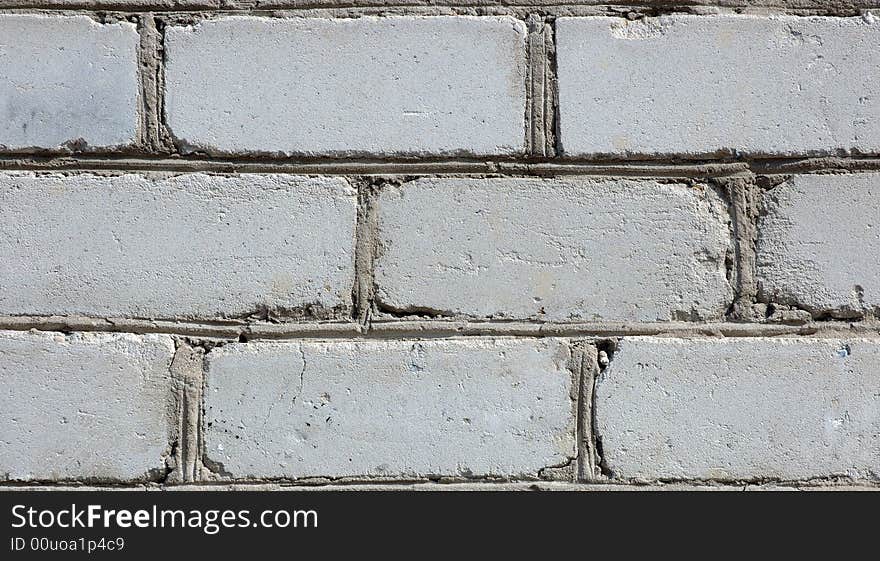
[122,524]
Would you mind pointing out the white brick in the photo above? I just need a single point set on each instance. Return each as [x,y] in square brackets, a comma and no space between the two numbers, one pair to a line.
[746,408]
[483,407]
[819,243]
[186,246]
[67,80]
[370,85]
[700,85]
[84,406]
[573,249]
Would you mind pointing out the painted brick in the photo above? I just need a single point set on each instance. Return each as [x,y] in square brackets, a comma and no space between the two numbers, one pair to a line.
[698,85]
[187,246]
[572,249]
[819,244]
[383,86]
[502,407]
[736,409]
[67,82]
[84,406]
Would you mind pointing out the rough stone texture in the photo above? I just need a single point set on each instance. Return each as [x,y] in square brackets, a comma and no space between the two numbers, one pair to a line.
[67,82]
[384,86]
[741,409]
[819,244]
[573,249]
[186,246]
[500,407]
[84,406]
[699,85]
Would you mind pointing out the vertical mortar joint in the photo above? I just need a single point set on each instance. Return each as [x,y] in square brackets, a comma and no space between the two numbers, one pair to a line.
[540,87]
[154,135]
[585,365]
[744,199]
[366,248]
[187,375]
[604,355]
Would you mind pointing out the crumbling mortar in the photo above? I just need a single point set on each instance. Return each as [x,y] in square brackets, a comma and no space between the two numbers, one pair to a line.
[148,71]
[164,141]
[154,478]
[366,249]
[742,195]
[563,471]
[110,17]
[787,310]
[386,311]
[532,58]
[282,314]
[552,119]
[606,349]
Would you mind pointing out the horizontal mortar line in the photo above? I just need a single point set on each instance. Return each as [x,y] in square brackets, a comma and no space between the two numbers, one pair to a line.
[271,8]
[403,328]
[436,328]
[373,168]
[556,167]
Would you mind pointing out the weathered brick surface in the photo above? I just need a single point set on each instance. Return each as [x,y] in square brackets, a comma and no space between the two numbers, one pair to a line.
[699,85]
[395,240]
[573,249]
[191,245]
[84,406]
[67,82]
[502,407]
[819,243]
[383,86]
[749,408]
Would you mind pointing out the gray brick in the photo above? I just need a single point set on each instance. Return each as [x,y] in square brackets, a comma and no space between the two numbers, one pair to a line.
[84,406]
[735,409]
[698,85]
[382,86]
[819,244]
[189,246]
[483,407]
[67,81]
[572,249]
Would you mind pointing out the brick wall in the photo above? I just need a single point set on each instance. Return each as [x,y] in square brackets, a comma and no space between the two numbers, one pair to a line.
[403,242]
